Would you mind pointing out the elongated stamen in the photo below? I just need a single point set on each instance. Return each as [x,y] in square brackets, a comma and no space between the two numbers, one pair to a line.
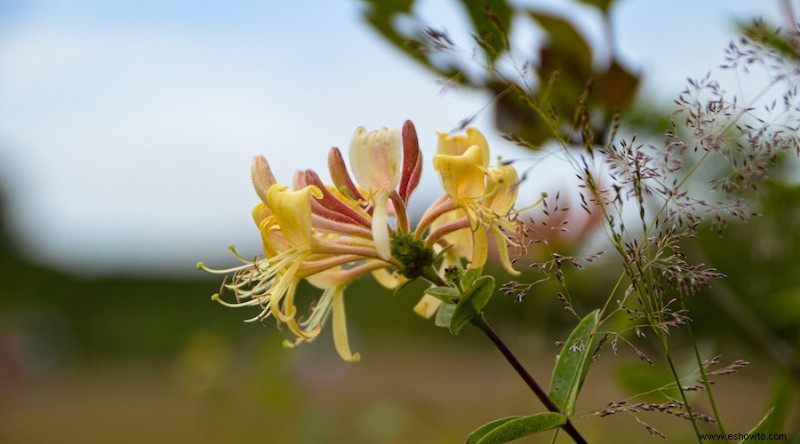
[529,207]
[202,266]
[329,247]
[322,223]
[313,267]
[352,242]
[217,298]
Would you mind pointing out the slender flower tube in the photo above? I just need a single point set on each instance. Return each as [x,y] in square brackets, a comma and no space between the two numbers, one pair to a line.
[375,160]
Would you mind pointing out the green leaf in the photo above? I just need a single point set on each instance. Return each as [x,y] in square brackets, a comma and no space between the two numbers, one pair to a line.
[383,16]
[469,277]
[448,294]
[760,430]
[515,427]
[444,315]
[483,430]
[573,364]
[472,302]
[569,52]
[616,87]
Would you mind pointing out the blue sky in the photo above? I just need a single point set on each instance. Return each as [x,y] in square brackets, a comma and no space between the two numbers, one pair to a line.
[127,128]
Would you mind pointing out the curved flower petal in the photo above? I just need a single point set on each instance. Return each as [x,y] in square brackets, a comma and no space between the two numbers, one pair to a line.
[340,327]
[502,188]
[412,161]
[427,306]
[502,248]
[261,216]
[463,176]
[458,144]
[480,248]
[375,158]
[292,210]
[387,279]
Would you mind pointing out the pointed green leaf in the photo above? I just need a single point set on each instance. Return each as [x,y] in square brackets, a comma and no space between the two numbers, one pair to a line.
[483,430]
[760,431]
[445,314]
[469,277]
[472,302]
[447,294]
[573,364]
[509,429]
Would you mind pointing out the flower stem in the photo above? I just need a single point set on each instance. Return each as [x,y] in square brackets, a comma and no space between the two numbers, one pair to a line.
[480,322]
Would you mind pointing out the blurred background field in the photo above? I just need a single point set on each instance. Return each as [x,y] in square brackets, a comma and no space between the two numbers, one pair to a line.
[128,360]
[125,140]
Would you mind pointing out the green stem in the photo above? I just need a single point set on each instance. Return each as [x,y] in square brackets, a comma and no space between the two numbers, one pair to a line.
[683,397]
[709,392]
[480,322]
[430,275]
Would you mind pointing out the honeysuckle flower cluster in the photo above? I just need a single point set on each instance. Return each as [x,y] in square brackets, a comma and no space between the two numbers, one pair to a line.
[332,234]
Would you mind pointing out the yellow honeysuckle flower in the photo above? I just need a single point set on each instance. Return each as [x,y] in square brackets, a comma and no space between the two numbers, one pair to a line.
[485,194]
[375,161]
[291,212]
[464,180]
[330,235]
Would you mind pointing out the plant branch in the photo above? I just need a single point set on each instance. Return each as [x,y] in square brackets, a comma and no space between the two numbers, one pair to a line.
[480,322]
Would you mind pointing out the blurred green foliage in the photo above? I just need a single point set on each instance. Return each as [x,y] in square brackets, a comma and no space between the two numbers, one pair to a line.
[759,299]
[555,84]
